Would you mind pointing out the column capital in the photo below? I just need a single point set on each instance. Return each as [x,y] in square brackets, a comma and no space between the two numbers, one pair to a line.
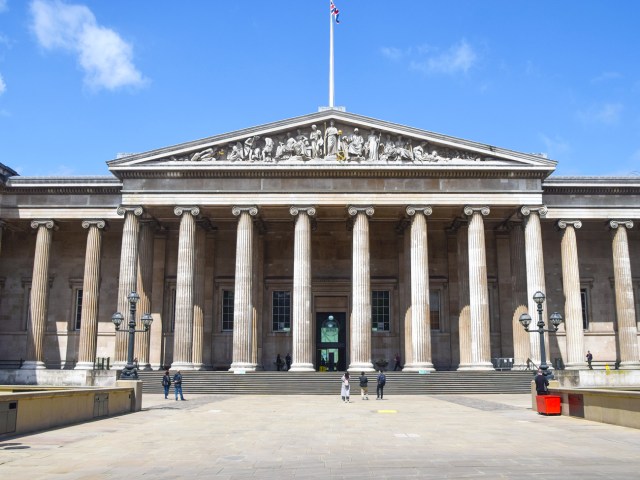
[181,209]
[541,210]
[296,209]
[137,210]
[562,224]
[49,224]
[613,224]
[250,209]
[413,209]
[469,210]
[97,222]
[356,209]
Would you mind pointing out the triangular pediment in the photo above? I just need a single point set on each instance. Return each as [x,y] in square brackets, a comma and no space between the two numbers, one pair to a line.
[331,138]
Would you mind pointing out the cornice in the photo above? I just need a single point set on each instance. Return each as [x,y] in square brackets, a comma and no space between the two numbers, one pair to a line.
[575,185]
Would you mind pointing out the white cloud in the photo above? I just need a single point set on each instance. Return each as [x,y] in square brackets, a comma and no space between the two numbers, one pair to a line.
[3,86]
[606,76]
[3,5]
[106,59]
[458,58]
[554,146]
[604,114]
[392,53]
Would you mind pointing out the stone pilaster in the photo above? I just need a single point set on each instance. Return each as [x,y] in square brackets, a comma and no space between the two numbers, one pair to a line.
[144,289]
[420,311]
[480,328]
[243,322]
[127,281]
[90,295]
[535,275]
[198,294]
[625,308]
[519,304]
[464,319]
[183,333]
[39,295]
[360,351]
[572,301]
[302,327]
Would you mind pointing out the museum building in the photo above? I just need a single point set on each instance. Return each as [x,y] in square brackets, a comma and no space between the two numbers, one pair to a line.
[340,239]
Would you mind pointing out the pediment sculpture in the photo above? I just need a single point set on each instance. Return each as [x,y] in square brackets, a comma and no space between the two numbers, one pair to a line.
[341,143]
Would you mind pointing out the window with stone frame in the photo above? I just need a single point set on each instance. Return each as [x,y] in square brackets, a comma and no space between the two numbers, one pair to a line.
[170,306]
[26,304]
[584,302]
[227,310]
[380,310]
[77,307]
[281,310]
[435,308]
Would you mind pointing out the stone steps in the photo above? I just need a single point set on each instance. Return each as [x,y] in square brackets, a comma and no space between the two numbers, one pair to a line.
[328,383]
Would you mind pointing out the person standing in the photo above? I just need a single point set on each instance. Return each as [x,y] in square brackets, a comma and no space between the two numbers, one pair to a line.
[541,383]
[397,365]
[279,362]
[364,389]
[166,383]
[589,359]
[287,359]
[177,385]
[345,388]
[382,381]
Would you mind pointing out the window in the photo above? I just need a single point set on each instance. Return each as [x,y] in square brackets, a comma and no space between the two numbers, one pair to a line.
[171,307]
[434,309]
[380,310]
[584,300]
[26,304]
[227,310]
[77,308]
[281,311]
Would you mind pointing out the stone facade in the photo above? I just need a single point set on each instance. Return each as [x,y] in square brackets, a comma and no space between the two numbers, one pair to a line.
[242,245]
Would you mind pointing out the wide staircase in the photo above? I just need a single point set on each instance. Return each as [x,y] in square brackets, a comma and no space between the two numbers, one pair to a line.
[328,383]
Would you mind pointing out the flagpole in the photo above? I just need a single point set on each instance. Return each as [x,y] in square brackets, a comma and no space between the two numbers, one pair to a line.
[330,59]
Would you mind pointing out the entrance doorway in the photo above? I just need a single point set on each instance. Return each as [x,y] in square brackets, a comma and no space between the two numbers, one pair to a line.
[331,350]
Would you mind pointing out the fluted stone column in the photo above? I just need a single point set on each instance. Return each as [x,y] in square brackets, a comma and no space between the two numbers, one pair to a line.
[519,304]
[360,351]
[39,295]
[478,291]
[90,295]
[144,289]
[127,282]
[243,321]
[302,327]
[198,294]
[625,305]
[572,301]
[183,333]
[535,276]
[464,319]
[420,311]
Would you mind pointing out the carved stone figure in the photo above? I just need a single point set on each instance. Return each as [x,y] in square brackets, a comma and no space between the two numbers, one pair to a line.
[418,153]
[371,147]
[331,139]
[235,153]
[389,149]
[302,144]
[206,154]
[355,144]
[290,145]
[403,150]
[250,144]
[315,137]
[267,150]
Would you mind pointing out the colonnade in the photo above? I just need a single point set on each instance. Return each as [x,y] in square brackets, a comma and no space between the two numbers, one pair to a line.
[527,265]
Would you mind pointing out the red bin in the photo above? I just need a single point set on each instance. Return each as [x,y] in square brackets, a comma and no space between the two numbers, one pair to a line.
[549,404]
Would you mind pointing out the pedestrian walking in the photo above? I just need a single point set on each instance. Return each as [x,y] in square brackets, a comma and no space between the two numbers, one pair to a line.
[541,383]
[382,381]
[397,365]
[287,359]
[364,389]
[345,388]
[177,385]
[589,359]
[166,383]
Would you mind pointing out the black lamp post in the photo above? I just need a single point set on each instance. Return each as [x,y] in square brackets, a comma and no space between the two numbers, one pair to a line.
[556,320]
[130,372]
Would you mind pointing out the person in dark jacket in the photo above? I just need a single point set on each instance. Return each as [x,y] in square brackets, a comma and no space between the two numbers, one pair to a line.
[364,389]
[541,383]
[287,360]
[382,381]
[177,385]
[166,383]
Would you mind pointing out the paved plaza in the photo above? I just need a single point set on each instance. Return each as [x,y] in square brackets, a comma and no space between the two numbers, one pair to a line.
[279,437]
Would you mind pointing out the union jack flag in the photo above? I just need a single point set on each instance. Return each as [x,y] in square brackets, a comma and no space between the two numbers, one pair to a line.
[335,12]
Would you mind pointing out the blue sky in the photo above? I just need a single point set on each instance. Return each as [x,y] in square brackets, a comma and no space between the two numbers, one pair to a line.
[81,81]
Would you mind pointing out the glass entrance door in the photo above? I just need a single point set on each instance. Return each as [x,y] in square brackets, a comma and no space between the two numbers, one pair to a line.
[331,341]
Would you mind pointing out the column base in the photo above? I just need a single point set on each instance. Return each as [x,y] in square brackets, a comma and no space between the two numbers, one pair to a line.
[242,367]
[182,366]
[302,367]
[631,365]
[84,366]
[476,367]
[199,366]
[361,367]
[419,367]
[33,365]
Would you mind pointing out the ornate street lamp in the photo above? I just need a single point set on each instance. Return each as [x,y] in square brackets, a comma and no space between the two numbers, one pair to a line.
[130,372]
[556,320]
